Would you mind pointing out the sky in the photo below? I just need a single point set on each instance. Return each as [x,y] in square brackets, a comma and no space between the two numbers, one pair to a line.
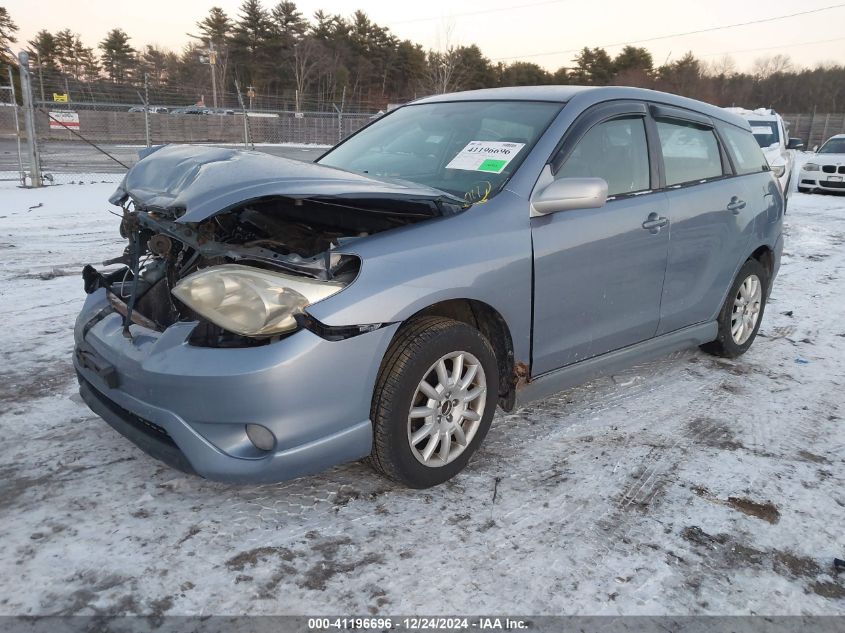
[545,32]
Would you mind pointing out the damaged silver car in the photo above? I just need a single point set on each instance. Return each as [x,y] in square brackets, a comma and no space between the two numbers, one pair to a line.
[270,318]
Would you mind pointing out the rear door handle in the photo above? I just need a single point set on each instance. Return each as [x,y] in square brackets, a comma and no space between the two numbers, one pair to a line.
[736,205]
[655,222]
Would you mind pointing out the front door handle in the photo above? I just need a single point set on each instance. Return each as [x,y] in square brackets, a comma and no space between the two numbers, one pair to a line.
[655,222]
[736,205]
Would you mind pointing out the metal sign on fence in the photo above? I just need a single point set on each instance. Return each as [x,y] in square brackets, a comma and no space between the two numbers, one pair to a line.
[64,120]
[59,98]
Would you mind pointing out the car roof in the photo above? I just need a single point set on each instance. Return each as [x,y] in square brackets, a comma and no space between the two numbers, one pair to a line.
[590,94]
[760,114]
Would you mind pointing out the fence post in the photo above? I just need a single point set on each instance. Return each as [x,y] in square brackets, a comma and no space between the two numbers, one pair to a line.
[810,133]
[339,123]
[824,131]
[243,110]
[29,120]
[21,172]
[147,109]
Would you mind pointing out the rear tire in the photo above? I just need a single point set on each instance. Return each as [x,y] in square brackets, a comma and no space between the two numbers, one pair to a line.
[434,401]
[741,315]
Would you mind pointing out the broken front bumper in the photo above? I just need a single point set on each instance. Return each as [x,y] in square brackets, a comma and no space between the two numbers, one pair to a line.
[189,406]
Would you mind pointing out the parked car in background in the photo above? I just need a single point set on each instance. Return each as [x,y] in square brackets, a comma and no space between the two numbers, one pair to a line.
[151,109]
[272,318]
[825,169]
[772,134]
[191,110]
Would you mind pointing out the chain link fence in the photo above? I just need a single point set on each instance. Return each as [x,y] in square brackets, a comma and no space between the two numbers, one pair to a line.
[93,131]
[81,135]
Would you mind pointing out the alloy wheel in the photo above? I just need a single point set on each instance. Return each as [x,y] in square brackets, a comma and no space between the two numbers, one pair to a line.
[446,409]
[746,310]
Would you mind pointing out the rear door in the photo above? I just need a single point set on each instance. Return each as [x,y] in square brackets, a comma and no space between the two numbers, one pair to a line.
[712,216]
[598,273]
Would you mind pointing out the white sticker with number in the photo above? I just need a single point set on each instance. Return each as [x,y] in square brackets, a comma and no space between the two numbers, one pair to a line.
[488,156]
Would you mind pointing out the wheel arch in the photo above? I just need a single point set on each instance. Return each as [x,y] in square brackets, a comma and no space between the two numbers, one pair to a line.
[492,325]
[766,256]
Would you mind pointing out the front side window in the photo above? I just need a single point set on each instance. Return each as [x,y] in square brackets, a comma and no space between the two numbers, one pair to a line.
[466,148]
[690,152]
[747,155]
[616,151]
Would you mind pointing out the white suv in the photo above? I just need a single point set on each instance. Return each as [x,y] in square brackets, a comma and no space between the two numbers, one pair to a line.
[771,133]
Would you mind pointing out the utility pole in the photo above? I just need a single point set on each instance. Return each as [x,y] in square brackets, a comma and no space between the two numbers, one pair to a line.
[29,120]
[212,61]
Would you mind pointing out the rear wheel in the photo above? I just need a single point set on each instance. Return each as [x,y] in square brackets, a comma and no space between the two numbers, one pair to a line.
[434,401]
[740,317]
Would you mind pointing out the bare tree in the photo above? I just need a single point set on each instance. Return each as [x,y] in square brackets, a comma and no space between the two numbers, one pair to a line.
[765,67]
[308,58]
[723,67]
[443,63]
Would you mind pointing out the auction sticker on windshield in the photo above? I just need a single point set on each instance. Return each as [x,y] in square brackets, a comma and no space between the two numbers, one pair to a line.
[488,156]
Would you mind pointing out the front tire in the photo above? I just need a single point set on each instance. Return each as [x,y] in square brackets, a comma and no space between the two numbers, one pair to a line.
[741,315]
[434,401]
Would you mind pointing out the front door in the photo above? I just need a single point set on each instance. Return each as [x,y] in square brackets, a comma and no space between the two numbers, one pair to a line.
[598,273]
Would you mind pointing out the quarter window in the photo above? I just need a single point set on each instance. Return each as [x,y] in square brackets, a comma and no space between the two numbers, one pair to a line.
[690,152]
[743,146]
[616,151]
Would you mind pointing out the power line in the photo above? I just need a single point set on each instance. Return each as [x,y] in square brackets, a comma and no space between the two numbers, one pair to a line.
[769,48]
[672,35]
[460,15]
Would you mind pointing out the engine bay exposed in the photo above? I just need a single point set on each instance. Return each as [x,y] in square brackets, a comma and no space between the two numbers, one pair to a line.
[298,236]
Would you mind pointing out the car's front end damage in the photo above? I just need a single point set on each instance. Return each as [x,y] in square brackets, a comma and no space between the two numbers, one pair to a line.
[196,342]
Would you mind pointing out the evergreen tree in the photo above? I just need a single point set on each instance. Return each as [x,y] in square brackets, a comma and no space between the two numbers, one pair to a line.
[524,74]
[118,56]
[593,67]
[216,26]
[43,47]
[248,44]
[7,33]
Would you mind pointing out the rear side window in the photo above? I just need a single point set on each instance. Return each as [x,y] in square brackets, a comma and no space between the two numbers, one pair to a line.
[743,146]
[615,150]
[690,152]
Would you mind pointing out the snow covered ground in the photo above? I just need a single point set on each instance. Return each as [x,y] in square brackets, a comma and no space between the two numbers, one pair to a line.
[686,485]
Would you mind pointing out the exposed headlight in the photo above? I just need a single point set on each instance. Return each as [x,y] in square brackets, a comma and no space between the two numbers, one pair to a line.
[810,167]
[251,301]
[778,170]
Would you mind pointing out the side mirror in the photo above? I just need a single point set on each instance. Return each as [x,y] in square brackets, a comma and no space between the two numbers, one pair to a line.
[815,148]
[571,193]
[795,143]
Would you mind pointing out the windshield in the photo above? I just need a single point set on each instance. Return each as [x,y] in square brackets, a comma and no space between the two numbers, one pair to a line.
[766,132]
[833,146]
[468,149]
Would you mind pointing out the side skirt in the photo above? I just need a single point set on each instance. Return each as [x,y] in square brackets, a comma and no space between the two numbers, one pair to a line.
[572,375]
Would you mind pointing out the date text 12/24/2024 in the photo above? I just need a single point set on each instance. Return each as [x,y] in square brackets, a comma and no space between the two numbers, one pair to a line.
[418,624]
